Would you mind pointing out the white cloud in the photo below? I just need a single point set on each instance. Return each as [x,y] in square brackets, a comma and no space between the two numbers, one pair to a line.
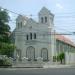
[59,6]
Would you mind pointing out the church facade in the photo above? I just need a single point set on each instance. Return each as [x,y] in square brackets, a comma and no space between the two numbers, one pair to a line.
[33,40]
[36,41]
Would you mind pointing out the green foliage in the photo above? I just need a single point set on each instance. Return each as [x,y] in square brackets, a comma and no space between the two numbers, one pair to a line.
[61,57]
[6,48]
[4,27]
[1,62]
[58,58]
[54,58]
[5,63]
[4,16]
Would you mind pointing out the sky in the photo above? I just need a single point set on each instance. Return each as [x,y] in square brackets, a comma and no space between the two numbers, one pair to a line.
[64,11]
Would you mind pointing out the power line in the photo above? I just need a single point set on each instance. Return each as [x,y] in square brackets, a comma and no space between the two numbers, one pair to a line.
[10,11]
[32,15]
[43,34]
[40,41]
[15,12]
[36,15]
[65,16]
[46,31]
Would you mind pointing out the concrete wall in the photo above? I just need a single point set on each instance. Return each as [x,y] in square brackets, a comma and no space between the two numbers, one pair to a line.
[69,58]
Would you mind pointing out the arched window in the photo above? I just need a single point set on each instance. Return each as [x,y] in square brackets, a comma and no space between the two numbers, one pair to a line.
[34,35]
[21,24]
[41,19]
[45,19]
[18,25]
[27,37]
[31,36]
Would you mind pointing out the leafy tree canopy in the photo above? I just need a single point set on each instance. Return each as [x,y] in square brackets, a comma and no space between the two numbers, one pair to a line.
[6,48]
[4,27]
[4,15]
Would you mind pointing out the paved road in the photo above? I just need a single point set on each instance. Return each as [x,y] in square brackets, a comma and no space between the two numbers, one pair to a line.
[51,71]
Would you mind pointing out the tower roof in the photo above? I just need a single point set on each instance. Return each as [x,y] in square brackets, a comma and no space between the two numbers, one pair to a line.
[22,17]
[45,10]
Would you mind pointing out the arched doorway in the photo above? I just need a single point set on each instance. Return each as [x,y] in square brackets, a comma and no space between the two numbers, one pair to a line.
[30,53]
[44,54]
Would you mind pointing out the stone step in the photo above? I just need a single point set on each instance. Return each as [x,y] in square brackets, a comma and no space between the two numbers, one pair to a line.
[29,65]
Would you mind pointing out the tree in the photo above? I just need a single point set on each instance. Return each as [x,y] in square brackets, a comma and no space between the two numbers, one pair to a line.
[6,48]
[4,27]
[61,57]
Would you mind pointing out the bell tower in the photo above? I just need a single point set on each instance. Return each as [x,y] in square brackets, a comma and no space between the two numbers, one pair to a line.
[46,17]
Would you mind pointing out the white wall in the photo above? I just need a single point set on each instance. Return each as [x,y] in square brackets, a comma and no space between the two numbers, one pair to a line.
[43,40]
[69,58]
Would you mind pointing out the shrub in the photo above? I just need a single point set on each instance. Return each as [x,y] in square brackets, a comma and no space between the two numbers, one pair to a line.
[35,59]
[4,62]
[54,58]
[61,57]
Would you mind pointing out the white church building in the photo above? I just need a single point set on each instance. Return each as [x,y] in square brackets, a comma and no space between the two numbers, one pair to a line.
[33,40]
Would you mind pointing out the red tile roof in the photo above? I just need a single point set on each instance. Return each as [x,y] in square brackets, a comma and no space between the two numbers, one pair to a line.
[64,39]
